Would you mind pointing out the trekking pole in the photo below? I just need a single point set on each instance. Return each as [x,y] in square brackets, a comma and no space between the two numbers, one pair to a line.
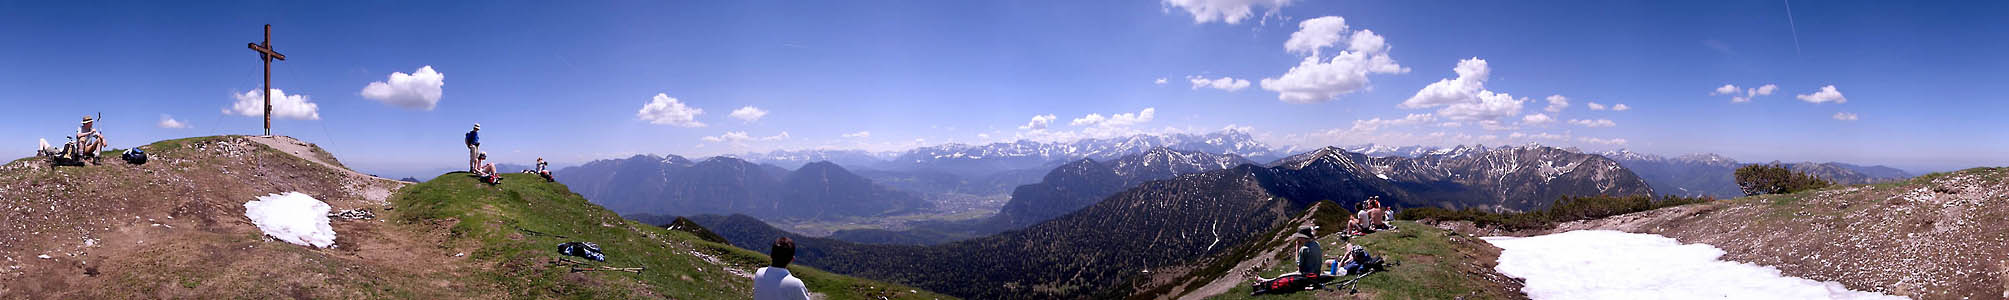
[606,268]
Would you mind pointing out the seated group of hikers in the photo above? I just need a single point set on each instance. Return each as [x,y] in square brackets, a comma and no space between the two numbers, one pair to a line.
[477,161]
[1371,218]
[1313,270]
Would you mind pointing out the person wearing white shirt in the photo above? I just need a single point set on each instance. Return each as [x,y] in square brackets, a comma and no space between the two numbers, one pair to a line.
[774,282]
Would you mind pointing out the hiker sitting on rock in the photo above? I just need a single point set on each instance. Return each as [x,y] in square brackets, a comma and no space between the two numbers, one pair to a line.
[774,282]
[89,140]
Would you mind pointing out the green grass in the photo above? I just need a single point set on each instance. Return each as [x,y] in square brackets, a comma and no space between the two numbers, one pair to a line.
[517,225]
[1429,266]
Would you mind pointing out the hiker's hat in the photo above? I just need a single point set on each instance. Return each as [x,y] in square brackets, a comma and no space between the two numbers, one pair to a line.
[87,119]
[1304,232]
[477,126]
[484,154]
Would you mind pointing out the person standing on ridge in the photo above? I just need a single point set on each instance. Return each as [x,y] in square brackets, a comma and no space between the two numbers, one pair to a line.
[774,282]
[474,148]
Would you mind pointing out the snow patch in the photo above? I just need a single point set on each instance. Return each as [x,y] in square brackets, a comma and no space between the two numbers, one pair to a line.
[292,217]
[1603,264]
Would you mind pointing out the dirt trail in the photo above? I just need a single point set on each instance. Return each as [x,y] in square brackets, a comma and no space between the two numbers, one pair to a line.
[1234,278]
[371,187]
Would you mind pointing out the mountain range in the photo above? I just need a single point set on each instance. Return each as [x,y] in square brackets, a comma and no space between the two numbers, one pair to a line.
[673,185]
[1084,182]
[967,159]
[1714,175]
[1182,218]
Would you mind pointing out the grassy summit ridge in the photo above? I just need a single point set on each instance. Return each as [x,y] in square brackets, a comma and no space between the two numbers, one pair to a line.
[517,226]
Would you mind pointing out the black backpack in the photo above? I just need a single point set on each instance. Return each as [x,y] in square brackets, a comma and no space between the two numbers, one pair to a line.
[134,156]
[587,250]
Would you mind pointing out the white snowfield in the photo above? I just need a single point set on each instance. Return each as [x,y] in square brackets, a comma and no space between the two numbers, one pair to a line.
[1603,264]
[292,217]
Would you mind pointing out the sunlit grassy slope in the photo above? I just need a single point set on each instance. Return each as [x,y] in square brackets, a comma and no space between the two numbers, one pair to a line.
[516,227]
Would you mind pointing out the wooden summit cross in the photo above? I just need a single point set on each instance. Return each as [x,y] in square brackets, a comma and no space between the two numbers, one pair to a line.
[266,53]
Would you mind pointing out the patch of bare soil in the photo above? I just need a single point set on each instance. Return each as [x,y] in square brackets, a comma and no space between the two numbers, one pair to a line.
[1937,237]
[175,228]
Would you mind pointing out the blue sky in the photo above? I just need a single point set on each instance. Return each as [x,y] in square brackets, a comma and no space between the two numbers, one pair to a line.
[570,81]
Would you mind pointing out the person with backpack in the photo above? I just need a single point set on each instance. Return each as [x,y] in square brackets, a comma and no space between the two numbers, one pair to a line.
[1309,259]
[473,141]
[486,171]
[543,171]
[1308,254]
[1354,261]
[774,282]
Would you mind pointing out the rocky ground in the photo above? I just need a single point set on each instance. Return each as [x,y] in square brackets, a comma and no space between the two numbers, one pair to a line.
[174,228]
[1939,236]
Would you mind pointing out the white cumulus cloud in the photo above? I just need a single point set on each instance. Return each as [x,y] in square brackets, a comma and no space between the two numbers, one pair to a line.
[1748,94]
[1318,79]
[1116,120]
[663,110]
[1594,106]
[252,104]
[1620,107]
[1537,119]
[1160,81]
[167,121]
[419,90]
[1557,103]
[1593,123]
[1224,83]
[1726,89]
[857,135]
[1465,98]
[1845,116]
[1315,34]
[748,114]
[1038,122]
[1227,11]
[1825,95]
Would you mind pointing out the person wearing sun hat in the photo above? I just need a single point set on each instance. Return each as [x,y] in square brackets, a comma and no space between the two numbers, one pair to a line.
[1309,257]
[474,148]
[1308,253]
[95,142]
